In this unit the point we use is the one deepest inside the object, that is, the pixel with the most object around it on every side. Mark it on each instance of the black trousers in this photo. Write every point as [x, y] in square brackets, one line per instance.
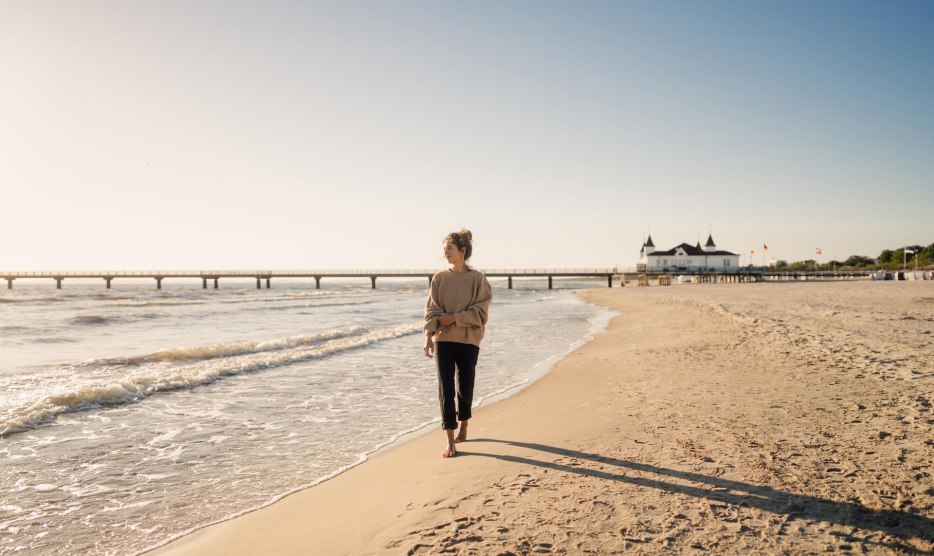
[457, 365]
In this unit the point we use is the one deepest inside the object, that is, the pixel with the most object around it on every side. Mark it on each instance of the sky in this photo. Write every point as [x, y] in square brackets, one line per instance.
[169, 134]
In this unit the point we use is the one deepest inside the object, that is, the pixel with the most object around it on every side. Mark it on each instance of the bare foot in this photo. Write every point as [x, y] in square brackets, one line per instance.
[462, 433]
[451, 451]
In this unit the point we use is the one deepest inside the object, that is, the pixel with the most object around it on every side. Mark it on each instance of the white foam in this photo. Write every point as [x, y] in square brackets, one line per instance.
[155, 303]
[308, 305]
[153, 379]
[199, 353]
[599, 321]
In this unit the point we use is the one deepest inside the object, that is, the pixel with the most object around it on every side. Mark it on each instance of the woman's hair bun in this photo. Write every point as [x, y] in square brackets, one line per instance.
[463, 239]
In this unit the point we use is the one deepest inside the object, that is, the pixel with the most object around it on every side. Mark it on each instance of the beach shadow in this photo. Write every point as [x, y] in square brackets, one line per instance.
[894, 523]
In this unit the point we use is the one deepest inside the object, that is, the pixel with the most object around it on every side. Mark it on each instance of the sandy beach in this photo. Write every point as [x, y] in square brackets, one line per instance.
[790, 418]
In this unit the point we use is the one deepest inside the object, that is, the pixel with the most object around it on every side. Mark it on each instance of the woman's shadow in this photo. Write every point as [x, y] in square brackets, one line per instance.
[894, 523]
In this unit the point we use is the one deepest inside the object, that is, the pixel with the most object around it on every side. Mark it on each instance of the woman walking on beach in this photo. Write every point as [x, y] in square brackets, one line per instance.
[455, 317]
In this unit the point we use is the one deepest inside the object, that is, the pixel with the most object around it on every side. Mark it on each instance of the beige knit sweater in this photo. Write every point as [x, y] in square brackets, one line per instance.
[467, 296]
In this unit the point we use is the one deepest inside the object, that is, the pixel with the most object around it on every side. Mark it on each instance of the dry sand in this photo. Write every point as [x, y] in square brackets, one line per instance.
[790, 418]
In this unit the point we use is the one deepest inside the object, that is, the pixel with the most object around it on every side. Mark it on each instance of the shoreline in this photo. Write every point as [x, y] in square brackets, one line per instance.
[599, 321]
[599, 324]
[692, 440]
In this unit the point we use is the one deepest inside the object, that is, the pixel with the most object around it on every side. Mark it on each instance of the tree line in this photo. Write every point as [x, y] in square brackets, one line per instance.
[911, 255]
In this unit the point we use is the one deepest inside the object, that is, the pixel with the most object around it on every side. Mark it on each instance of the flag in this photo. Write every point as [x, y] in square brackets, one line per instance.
[765, 247]
[818, 250]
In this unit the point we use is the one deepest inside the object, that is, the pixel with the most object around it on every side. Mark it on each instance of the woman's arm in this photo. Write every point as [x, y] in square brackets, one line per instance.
[429, 348]
[432, 312]
[477, 313]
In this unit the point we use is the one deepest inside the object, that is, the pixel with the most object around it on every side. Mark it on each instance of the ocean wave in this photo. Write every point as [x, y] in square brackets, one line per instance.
[137, 387]
[109, 297]
[93, 320]
[230, 349]
[284, 297]
[156, 302]
[298, 296]
[52, 340]
[309, 305]
[31, 300]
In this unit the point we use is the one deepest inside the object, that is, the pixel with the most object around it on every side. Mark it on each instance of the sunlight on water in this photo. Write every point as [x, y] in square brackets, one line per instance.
[129, 416]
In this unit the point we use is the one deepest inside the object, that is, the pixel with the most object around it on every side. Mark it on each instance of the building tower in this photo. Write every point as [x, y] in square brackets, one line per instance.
[648, 247]
[710, 246]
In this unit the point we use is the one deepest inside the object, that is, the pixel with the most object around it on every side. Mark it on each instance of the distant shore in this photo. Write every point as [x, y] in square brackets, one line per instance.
[728, 418]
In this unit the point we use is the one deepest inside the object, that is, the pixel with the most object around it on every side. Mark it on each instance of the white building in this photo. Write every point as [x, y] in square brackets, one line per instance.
[687, 258]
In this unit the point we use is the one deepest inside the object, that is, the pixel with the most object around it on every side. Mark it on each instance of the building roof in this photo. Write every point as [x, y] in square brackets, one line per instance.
[648, 242]
[689, 250]
[710, 242]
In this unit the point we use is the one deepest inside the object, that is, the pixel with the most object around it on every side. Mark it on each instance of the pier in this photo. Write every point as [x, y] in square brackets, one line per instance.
[266, 276]
[742, 276]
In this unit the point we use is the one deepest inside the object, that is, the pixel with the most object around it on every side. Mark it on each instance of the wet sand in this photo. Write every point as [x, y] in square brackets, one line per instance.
[766, 418]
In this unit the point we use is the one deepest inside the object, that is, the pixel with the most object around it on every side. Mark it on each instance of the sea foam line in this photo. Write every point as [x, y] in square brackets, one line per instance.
[151, 380]
[599, 322]
[229, 349]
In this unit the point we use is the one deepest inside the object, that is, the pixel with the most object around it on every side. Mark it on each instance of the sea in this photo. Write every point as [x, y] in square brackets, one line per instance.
[131, 416]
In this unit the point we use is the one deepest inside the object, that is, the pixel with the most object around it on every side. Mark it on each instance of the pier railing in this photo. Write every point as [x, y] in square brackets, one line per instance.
[260, 275]
[267, 274]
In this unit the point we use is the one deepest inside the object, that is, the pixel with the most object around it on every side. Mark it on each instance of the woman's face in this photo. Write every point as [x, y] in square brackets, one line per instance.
[452, 253]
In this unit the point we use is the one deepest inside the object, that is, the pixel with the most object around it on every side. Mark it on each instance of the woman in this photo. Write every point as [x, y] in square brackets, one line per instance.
[455, 317]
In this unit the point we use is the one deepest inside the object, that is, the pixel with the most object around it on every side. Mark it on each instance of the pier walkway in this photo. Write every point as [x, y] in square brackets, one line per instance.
[621, 276]
[745, 275]
[267, 275]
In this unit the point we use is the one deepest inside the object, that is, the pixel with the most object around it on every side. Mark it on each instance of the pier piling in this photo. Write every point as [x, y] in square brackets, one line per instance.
[260, 274]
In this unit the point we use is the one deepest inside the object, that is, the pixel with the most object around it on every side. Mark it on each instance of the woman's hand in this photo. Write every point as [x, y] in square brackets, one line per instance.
[429, 347]
[446, 319]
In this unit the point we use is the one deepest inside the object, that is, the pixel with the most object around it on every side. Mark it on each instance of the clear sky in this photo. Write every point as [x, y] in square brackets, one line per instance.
[191, 135]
